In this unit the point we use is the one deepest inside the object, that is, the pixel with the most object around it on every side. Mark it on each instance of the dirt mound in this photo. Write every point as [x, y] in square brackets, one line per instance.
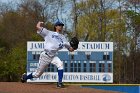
[17, 87]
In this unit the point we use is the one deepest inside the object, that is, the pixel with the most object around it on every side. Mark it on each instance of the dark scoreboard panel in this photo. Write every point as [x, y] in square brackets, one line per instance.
[76, 62]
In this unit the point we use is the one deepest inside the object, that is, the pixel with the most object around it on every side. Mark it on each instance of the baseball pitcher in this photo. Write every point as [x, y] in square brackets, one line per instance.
[53, 41]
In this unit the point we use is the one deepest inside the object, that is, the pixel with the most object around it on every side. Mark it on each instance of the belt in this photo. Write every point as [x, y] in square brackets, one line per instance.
[49, 55]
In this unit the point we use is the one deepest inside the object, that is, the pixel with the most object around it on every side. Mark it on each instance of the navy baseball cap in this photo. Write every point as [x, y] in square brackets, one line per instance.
[58, 23]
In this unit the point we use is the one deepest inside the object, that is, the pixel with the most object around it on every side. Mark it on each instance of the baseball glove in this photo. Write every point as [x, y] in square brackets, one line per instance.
[74, 43]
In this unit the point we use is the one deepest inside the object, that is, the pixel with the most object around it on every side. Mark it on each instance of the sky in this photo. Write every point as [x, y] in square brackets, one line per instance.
[7, 0]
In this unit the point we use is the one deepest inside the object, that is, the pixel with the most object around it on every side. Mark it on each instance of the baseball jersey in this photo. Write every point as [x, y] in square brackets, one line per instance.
[54, 41]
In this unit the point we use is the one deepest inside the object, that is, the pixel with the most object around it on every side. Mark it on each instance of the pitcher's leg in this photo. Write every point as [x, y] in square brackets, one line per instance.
[41, 68]
[44, 60]
[59, 64]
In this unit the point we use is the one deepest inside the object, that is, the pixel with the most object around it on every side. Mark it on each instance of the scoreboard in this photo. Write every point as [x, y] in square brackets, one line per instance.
[91, 62]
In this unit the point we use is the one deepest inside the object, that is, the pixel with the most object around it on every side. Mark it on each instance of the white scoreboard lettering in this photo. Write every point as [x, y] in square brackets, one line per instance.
[91, 62]
[75, 77]
[83, 46]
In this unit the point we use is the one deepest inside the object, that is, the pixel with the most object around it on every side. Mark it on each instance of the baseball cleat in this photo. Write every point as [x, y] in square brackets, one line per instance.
[60, 85]
[23, 78]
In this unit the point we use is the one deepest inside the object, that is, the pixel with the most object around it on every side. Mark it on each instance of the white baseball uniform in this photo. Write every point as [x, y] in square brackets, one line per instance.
[54, 41]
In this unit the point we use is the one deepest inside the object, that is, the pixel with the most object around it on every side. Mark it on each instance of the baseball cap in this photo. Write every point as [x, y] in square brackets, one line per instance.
[58, 23]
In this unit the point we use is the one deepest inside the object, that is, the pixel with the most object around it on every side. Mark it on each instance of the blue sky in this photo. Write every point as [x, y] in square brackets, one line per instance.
[5, 0]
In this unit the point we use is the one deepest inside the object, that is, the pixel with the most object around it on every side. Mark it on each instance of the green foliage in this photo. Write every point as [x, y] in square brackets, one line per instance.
[17, 26]
[13, 64]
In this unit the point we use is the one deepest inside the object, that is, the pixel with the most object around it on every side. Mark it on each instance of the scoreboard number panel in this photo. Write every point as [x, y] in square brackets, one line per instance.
[91, 62]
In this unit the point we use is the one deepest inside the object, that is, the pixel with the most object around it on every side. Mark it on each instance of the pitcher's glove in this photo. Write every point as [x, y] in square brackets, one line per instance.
[74, 43]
